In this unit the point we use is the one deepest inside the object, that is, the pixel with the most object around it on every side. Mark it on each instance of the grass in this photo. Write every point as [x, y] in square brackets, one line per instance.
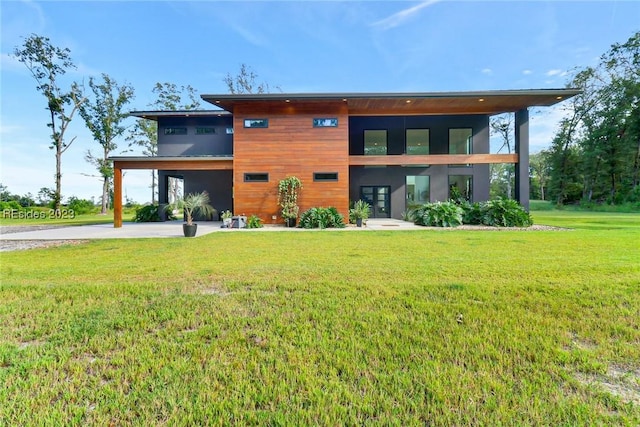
[48, 217]
[327, 328]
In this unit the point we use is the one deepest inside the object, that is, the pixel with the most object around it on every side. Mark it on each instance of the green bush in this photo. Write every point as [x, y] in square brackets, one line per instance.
[472, 213]
[505, 213]
[438, 214]
[81, 206]
[321, 218]
[11, 204]
[254, 221]
[149, 213]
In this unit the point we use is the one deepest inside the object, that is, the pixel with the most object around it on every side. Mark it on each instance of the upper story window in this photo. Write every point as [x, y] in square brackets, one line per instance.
[417, 141]
[256, 123]
[175, 131]
[460, 142]
[205, 131]
[375, 142]
[323, 123]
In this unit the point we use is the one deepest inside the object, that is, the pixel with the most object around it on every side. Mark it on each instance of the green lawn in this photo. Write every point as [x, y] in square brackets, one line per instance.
[328, 328]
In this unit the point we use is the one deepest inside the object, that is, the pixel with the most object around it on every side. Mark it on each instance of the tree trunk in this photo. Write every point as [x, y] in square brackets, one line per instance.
[57, 197]
[105, 195]
[153, 187]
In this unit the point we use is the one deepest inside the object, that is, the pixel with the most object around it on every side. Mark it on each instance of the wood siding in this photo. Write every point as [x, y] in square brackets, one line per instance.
[290, 146]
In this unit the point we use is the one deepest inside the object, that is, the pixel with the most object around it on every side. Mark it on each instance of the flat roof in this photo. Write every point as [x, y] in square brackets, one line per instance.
[405, 103]
[154, 114]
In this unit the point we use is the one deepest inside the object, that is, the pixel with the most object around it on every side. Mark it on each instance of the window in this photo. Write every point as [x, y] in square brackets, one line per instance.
[175, 131]
[417, 141]
[460, 142]
[256, 177]
[325, 176]
[256, 123]
[461, 187]
[417, 190]
[205, 131]
[320, 123]
[375, 142]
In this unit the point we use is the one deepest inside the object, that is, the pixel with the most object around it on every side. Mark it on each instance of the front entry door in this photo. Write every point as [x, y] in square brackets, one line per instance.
[379, 197]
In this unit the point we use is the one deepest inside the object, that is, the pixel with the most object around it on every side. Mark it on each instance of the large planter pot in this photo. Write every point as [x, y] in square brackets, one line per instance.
[290, 222]
[189, 230]
[358, 222]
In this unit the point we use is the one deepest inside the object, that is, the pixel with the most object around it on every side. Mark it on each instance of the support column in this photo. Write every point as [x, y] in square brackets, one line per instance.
[522, 149]
[117, 196]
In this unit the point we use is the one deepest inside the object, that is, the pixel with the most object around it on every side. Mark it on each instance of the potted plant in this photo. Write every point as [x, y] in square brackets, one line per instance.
[359, 212]
[288, 190]
[194, 203]
[226, 218]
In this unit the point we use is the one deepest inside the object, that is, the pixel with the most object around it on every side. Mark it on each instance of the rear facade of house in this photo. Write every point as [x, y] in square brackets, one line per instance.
[393, 150]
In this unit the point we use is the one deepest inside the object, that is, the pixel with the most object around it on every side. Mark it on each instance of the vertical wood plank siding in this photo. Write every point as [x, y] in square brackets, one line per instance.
[290, 146]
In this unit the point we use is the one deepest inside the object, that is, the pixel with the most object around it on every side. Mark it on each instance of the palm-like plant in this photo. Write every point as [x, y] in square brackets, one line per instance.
[194, 203]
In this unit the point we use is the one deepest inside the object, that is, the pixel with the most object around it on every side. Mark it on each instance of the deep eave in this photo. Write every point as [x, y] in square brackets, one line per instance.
[155, 114]
[428, 103]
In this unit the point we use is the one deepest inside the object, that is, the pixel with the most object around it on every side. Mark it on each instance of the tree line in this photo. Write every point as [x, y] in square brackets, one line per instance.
[595, 154]
[102, 106]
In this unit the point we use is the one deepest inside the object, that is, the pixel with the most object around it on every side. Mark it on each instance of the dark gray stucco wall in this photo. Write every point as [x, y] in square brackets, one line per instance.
[522, 148]
[395, 176]
[191, 144]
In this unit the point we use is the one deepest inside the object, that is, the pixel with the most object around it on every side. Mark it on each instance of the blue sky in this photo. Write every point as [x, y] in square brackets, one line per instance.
[299, 46]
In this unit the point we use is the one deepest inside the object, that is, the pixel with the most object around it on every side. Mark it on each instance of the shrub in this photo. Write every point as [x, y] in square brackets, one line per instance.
[505, 213]
[81, 206]
[438, 214]
[254, 221]
[321, 218]
[150, 213]
[11, 204]
[472, 213]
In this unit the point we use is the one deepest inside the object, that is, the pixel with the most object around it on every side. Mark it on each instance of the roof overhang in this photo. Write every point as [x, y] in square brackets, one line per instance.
[410, 103]
[173, 162]
[155, 114]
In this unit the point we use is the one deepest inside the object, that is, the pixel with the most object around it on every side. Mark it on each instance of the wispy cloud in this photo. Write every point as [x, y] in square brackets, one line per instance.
[555, 72]
[399, 17]
[527, 72]
[487, 71]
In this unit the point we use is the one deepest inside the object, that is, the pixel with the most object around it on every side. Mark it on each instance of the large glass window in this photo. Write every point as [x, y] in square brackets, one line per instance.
[417, 190]
[461, 187]
[417, 141]
[460, 142]
[375, 142]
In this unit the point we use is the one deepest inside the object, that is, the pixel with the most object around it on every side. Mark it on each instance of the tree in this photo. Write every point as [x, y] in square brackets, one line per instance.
[47, 63]
[539, 168]
[502, 126]
[597, 148]
[170, 97]
[245, 82]
[103, 116]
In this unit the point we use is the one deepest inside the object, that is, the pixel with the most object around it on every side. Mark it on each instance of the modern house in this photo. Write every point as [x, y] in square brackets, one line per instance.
[391, 149]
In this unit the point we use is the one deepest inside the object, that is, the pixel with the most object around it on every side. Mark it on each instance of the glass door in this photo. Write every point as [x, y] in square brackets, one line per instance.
[379, 197]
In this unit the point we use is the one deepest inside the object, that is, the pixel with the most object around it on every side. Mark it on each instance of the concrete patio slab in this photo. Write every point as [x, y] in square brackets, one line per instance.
[132, 230]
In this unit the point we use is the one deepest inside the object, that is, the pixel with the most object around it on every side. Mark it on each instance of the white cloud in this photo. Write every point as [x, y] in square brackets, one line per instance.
[554, 72]
[399, 17]
[527, 72]
[487, 71]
